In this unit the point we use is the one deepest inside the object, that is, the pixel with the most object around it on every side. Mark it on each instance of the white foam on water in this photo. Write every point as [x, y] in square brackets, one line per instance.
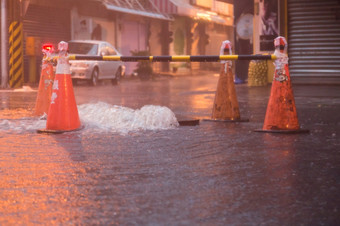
[104, 117]
[120, 119]
[22, 125]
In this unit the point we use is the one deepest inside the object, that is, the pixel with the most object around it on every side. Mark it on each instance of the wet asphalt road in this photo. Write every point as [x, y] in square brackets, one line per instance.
[211, 174]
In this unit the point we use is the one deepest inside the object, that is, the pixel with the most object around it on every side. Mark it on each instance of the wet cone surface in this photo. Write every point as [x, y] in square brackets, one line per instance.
[63, 112]
[281, 115]
[226, 104]
[45, 89]
[281, 111]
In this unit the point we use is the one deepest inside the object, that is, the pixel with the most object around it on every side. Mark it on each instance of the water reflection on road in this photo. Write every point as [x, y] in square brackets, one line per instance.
[37, 179]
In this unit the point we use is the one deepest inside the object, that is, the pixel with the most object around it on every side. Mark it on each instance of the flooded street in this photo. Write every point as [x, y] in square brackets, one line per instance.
[129, 166]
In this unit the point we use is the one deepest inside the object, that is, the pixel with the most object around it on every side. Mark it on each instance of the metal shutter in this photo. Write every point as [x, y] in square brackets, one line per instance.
[314, 40]
[50, 24]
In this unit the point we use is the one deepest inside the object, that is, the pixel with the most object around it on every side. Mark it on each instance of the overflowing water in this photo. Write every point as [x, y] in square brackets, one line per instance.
[120, 119]
[102, 117]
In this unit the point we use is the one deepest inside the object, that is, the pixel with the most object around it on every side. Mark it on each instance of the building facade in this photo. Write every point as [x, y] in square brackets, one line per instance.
[312, 29]
[157, 27]
[198, 28]
[182, 27]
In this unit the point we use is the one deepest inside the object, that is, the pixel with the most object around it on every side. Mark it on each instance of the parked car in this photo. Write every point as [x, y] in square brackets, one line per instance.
[93, 70]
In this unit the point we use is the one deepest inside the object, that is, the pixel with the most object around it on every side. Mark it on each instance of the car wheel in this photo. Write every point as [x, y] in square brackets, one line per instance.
[94, 77]
[117, 77]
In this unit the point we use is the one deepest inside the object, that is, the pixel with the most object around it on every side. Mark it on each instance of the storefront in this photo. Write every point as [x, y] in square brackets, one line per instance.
[162, 27]
[125, 26]
[45, 24]
[199, 27]
[133, 27]
[314, 40]
[133, 39]
[312, 29]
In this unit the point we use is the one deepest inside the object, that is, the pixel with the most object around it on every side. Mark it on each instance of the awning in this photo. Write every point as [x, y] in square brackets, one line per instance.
[176, 7]
[136, 8]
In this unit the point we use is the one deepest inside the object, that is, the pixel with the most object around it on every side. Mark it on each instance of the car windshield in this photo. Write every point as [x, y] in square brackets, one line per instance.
[83, 48]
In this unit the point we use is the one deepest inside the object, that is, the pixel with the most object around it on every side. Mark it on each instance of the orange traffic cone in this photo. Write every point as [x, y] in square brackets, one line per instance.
[281, 115]
[225, 106]
[42, 103]
[63, 113]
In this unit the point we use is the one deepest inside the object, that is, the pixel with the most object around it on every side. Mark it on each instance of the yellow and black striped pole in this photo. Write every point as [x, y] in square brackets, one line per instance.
[184, 58]
[16, 57]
